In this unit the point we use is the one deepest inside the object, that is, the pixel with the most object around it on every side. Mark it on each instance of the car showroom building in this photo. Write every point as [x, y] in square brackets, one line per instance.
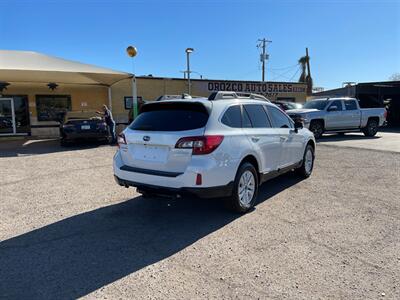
[36, 89]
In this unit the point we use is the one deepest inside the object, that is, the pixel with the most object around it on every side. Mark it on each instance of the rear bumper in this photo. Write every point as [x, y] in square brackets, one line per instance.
[206, 192]
[85, 135]
[215, 172]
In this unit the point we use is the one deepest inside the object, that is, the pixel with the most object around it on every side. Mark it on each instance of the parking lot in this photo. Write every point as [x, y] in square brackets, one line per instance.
[67, 230]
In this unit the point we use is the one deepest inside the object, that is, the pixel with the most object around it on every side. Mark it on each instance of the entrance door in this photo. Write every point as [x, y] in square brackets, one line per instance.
[7, 116]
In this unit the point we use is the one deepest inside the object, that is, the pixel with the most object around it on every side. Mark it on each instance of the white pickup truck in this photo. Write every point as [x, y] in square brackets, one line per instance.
[339, 115]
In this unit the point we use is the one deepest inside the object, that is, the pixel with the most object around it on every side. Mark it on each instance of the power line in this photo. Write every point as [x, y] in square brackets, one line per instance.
[284, 68]
[291, 78]
[283, 74]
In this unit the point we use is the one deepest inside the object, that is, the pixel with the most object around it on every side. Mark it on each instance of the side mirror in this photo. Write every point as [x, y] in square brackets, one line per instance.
[333, 108]
[298, 125]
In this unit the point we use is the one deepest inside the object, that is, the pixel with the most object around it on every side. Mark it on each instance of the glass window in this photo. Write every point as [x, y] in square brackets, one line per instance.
[170, 116]
[52, 107]
[128, 102]
[316, 104]
[21, 113]
[350, 104]
[279, 119]
[232, 117]
[246, 123]
[338, 104]
[258, 116]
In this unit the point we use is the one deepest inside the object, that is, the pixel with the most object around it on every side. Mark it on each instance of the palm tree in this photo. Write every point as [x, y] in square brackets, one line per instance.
[305, 76]
[303, 64]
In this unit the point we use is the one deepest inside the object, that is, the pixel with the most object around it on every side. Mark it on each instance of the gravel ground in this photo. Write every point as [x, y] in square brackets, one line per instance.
[67, 231]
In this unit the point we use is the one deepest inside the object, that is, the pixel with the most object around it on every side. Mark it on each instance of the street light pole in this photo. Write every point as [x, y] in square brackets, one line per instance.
[132, 52]
[188, 51]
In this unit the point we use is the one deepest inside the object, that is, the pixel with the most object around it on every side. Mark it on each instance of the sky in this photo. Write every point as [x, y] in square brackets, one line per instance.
[353, 40]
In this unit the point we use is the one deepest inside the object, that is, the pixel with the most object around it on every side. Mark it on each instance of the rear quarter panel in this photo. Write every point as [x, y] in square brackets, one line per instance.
[367, 113]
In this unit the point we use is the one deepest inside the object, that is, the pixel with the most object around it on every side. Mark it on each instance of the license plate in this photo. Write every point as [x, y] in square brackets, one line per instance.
[150, 153]
[85, 127]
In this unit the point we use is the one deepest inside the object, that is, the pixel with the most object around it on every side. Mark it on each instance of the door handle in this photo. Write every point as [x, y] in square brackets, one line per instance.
[255, 139]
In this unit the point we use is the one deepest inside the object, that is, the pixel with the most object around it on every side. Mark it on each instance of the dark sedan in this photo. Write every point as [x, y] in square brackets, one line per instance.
[83, 126]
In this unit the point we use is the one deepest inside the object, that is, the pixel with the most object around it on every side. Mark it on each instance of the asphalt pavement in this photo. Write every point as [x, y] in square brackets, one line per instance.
[68, 231]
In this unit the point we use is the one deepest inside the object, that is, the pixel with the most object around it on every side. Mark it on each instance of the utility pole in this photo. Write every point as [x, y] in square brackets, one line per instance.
[308, 79]
[263, 56]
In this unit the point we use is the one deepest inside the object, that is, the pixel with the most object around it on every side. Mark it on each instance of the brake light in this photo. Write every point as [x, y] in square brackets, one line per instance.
[121, 139]
[200, 144]
[385, 114]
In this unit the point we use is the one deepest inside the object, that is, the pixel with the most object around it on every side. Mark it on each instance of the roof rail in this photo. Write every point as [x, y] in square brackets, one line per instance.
[221, 95]
[253, 96]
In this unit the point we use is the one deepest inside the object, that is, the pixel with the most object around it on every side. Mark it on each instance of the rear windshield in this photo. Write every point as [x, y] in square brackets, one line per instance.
[170, 116]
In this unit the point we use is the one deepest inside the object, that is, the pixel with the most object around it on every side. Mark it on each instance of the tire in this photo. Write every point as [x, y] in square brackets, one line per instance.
[307, 166]
[246, 180]
[317, 128]
[371, 129]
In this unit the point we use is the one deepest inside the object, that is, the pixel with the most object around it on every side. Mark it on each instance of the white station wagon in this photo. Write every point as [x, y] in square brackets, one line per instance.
[223, 146]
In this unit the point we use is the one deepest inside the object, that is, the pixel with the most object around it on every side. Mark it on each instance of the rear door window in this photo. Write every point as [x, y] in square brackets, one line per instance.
[232, 117]
[258, 116]
[350, 105]
[279, 119]
[246, 123]
[171, 116]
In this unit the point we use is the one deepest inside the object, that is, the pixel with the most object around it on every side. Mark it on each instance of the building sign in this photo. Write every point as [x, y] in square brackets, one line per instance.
[268, 89]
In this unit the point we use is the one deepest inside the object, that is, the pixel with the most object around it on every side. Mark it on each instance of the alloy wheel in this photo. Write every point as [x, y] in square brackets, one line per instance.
[246, 188]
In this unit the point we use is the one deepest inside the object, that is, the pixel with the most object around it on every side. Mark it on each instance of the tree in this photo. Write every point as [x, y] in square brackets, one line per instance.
[305, 76]
[303, 64]
[395, 77]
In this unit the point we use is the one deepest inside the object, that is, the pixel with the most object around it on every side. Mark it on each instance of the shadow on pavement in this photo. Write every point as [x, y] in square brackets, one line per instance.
[13, 148]
[346, 137]
[78, 255]
[392, 129]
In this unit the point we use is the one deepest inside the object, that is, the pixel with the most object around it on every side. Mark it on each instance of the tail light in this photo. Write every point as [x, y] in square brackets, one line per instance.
[385, 114]
[200, 144]
[121, 139]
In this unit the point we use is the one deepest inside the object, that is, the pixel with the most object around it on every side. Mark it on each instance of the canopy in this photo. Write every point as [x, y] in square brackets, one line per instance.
[28, 66]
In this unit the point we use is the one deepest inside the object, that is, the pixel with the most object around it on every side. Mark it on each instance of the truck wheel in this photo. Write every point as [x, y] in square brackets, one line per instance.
[245, 188]
[307, 166]
[317, 128]
[371, 129]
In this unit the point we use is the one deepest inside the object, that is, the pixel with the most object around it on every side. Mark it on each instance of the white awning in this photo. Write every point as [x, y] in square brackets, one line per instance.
[28, 66]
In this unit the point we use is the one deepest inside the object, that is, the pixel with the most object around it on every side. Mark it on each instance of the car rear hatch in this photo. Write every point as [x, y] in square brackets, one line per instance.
[151, 138]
